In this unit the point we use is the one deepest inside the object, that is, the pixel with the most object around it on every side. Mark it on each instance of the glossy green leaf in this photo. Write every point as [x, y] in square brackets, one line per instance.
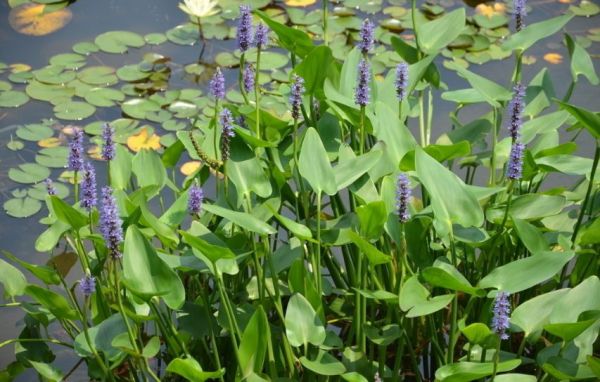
[246, 172]
[444, 275]
[255, 340]
[67, 214]
[302, 325]
[532, 33]
[294, 40]
[581, 62]
[241, 219]
[54, 302]
[531, 237]
[324, 364]
[590, 120]
[312, 69]
[314, 164]
[375, 256]
[191, 370]
[470, 371]
[435, 35]
[12, 279]
[415, 299]
[149, 169]
[119, 41]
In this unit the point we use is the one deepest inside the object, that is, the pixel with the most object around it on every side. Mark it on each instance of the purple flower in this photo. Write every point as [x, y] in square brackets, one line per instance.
[401, 80]
[366, 37]
[76, 150]
[361, 95]
[196, 196]
[500, 321]
[108, 143]
[296, 94]
[515, 108]
[261, 36]
[514, 168]
[50, 187]
[248, 77]
[88, 187]
[226, 120]
[244, 31]
[403, 194]
[110, 223]
[87, 285]
[520, 11]
[217, 85]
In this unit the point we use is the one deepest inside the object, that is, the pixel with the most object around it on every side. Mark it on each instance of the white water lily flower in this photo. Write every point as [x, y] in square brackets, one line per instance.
[199, 8]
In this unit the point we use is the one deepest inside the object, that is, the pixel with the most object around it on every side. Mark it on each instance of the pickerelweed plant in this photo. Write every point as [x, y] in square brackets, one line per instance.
[329, 243]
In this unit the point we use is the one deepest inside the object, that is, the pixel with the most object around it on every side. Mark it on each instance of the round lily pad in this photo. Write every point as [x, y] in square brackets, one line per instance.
[20, 78]
[39, 191]
[226, 59]
[98, 75]
[104, 97]
[12, 98]
[173, 125]
[22, 207]
[186, 34]
[50, 93]
[28, 173]
[54, 157]
[132, 73]
[197, 69]
[73, 110]
[183, 109]
[68, 60]
[269, 60]
[54, 74]
[155, 38]
[15, 145]
[85, 48]
[118, 41]
[4, 85]
[139, 107]
[34, 132]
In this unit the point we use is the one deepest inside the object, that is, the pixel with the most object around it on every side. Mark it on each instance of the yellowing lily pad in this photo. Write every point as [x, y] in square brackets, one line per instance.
[143, 140]
[49, 142]
[31, 19]
[299, 3]
[188, 168]
[553, 58]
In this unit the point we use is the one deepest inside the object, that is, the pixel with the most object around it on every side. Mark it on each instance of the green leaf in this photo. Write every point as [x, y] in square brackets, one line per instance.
[67, 214]
[533, 33]
[313, 69]
[54, 302]
[350, 169]
[12, 279]
[530, 236]
[444, 275]
[120, 168]
[292, 39]
[44, 273]
[533, 314]
[324, 364]
[452, 202]
[149, 169]
[212, 252]
[581, 62]
[477, 333]
[146, 275]
[22, 207]
[517, 276]
[101, 337]
[314, 164]
[589, 120]
[241, 219]
[191, 370]
[571, 330]
[246, 172]
[372, 217]
[73, 111]
[302, 325]
[435, 35]
[118, 41]
[489, 90]
[254, 343]
[28, 173]
[470, 371]
[49, 372]
[375, 256]
[300, 230]
[13, 98]
[415, 299]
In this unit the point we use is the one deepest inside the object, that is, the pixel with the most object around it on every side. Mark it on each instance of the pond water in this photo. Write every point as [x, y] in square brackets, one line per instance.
[91, 18]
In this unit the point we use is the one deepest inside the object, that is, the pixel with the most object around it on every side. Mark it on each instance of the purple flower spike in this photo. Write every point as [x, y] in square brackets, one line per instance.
[500, 321]
[217, 85]
[514, 168]
[226, 120]
[296, 94]
[401, 80]
[110, 223]
[244, 32]
[87, 285]
[196, 196]
[108, 142]
[261, 36]
[403, 194]
[366, 37]
[88, 187]
[520, 11]
[248, 77]
[76, 150]
[50, 187]
[516, 106]
[361, 95]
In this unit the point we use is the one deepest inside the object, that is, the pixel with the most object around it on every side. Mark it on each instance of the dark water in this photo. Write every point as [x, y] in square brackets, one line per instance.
[92, 17]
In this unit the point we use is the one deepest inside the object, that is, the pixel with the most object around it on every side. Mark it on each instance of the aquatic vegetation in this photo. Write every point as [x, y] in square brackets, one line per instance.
[294, 220]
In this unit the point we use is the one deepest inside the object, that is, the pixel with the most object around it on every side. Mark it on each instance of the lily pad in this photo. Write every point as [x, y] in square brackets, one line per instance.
[85, 48]
[155, 38]
[69, 60]
[139, 107]
[54, 74]
[22, 207]
[28, 173]
[132, 73]
[50, 93]
[39, 191]
[15, 145]
[34, 132]
[13, 98]
[73, 111]
[98, 75]
[104, 97]
[55, 157]
[35, 20]
[119, 41]
[186, 34]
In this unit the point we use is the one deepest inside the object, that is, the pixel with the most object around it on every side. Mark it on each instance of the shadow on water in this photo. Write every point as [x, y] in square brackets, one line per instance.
[91, 18]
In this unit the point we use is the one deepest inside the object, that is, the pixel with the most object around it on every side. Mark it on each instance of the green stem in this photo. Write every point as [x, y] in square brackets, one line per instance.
[492, 179]
[257, 93]
[325, 16]
[414, 22]
[587, 194]
[241, 77]
[317, 269]
[362, 130]
[496, 360]
[452, 334]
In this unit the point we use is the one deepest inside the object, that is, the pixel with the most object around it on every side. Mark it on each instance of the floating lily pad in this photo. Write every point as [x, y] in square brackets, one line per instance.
[15, 145]
[104, 97]
[173, 125]
[186, 34]
[39, 191]
[28, 173]
[586, 8]
[119, 41]
[197, 69]
[5, 85]
[227, 60]
[50, 93]
[139, 108]
[155, 38]
[73, 110]
[183, 109]
[34, 132]
[69, 60]
[54, 157]
[54, 74]
[20, 78]
[34, 19]
[98, 75]
[269, 60]
[132, 73]
[12, 98]
[22, 207]
[85, 48]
